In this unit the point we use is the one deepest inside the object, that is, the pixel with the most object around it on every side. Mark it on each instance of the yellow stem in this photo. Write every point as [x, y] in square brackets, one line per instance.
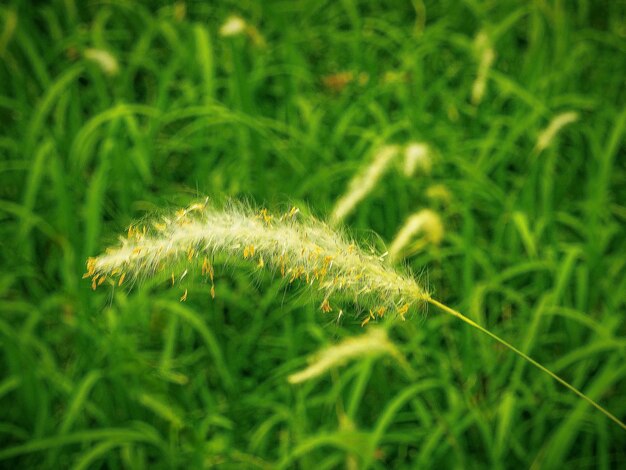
[567, 385]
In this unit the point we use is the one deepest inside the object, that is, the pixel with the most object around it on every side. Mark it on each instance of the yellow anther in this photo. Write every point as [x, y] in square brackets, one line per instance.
[403, 310]
[296, 273]
[207, 268]
[248, 251]
[265, 216]
[91, 268]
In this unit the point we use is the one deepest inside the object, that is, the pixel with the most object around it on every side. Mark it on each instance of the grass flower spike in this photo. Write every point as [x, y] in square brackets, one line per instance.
[486, 56]
[104, 59]
[300, 250]
[364, 183]
[549, 133]
[425, 222]
[417, 156]
[374, 342]
[233, 26]
[439, 193]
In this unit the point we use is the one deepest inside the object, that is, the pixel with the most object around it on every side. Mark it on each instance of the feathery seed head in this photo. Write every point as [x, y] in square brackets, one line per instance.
[426, 222]
[549, 133]
[439, 193]
[363, 183]
[486, 55]
[303, 250]
[373, 343]
[104, 59]
[233, 26]
[237, 26]
[417, 156]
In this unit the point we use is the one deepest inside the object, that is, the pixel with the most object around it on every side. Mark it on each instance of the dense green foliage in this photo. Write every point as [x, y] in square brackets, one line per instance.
[535, 243]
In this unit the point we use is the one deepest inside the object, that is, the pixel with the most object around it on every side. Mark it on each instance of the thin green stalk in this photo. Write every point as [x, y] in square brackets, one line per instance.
[526, 357]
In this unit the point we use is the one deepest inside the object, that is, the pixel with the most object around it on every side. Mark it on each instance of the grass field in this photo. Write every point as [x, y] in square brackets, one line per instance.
[112, 111]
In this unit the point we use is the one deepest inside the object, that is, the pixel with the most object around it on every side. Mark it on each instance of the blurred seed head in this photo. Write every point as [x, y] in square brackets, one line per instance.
[371, 344]
[439, 193]
[426, 223]
[364, 182]
[104, 59]
[417, 156]
[549, 133]
[237, 26]
[233, 26]
[486, 56]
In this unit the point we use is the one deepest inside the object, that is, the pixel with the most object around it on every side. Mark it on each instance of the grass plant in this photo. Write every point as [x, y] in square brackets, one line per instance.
[306, 251]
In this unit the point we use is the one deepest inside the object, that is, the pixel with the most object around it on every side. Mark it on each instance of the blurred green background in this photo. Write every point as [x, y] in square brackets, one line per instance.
[111, 110]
